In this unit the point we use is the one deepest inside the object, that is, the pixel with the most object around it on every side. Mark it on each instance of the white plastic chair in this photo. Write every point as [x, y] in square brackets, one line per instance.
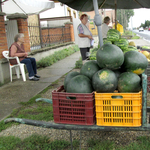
[17, 66]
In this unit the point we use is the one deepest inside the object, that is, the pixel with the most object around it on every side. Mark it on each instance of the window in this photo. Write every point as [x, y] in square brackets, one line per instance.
[69, 11]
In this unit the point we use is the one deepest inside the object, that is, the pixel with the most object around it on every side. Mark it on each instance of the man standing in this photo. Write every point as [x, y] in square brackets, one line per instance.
[105, 27]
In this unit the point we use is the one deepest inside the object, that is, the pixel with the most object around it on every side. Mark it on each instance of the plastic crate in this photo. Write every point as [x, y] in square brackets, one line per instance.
[147, 72]
[118, 109]
[73, 108]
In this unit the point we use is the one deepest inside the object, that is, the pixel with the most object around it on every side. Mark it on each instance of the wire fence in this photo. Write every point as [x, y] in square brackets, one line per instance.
[41, 36]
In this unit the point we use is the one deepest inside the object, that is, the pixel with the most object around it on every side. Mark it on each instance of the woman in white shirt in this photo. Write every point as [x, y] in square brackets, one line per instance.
[105, 27]
[84, 37]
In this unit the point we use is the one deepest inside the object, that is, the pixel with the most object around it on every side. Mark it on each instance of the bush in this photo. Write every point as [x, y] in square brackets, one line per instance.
[59, 55]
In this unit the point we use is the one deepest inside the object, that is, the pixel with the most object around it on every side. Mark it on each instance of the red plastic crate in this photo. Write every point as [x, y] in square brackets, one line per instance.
[148, 83]
[73, 108]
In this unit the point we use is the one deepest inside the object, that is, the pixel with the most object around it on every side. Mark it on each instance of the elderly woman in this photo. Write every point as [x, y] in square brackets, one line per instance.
[17, 49]
[84, 37]
[105, 27]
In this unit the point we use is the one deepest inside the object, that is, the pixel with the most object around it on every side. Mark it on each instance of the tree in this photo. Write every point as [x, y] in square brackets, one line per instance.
[146, 24]
[123, 16]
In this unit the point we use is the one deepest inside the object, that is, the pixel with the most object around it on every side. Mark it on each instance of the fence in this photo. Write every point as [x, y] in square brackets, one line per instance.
[41, 37]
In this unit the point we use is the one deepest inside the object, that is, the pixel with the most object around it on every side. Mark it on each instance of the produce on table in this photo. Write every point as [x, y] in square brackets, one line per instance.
[110, 56]
[79, 84]
[104, 80]
[145, 47]
[68, 77]
[89, 68]
[122, 43]
[132, 44]
[146, 53]
[106, 41]
[93, 54]
[134, 62]
[130, 48]
[129, 82]
[113, 35]
[117, 72]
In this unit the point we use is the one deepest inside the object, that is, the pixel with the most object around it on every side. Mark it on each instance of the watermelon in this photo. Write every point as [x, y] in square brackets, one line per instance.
[107, 42]
[113, 35]
[130, 48]
[93, 54]
[134, 62]
[129, 82]
[110, 56]
[89, 68]
[69, 76]
[122, 43]
[117, 72]
[114, 30]
[79, 84]
[104, 80]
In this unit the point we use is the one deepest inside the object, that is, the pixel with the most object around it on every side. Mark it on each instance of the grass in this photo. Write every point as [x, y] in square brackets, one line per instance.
[135, 37]
[130, 33]
[59, 55]
[34, 142]
[142, 142]
[38, 142]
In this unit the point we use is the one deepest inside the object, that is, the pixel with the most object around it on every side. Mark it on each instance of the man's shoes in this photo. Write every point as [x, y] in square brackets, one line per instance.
[36, 76]
[34, 79]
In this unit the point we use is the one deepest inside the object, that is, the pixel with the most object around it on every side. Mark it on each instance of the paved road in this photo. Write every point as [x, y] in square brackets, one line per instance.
[145, 34]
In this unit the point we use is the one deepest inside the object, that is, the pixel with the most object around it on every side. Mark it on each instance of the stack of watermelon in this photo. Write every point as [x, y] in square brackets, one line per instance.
[114, 37]
[120, 42]
[112, 70]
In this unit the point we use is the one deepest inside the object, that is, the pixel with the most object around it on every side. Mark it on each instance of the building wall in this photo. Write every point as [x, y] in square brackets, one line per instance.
[58, 34]
[58, 11]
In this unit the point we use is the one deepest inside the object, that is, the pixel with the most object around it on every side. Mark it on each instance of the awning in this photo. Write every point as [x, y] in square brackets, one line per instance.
[87, 5]
[27, 7]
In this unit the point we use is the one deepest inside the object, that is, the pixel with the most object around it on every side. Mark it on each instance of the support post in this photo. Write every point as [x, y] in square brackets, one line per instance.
[144, 100]
[98, 22]
[80, 140]
[115, 14]
[71, 140]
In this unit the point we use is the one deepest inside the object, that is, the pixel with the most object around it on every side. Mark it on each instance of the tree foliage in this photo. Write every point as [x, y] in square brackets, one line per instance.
[146, 24]
[123, 16]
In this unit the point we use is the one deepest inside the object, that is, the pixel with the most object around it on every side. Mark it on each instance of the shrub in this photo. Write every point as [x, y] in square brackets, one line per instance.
[49, 60]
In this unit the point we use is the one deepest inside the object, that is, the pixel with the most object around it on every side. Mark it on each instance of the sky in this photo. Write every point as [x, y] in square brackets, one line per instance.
[140, 15]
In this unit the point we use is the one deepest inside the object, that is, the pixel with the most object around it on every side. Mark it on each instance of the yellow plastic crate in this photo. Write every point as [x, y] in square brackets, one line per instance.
[118, 109]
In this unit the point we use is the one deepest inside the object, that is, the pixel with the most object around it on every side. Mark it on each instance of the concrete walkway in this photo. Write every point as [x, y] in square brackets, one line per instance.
[18, 91]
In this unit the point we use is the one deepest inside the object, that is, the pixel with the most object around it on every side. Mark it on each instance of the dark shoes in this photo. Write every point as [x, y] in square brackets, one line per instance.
[34, 79]
[36, 76]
